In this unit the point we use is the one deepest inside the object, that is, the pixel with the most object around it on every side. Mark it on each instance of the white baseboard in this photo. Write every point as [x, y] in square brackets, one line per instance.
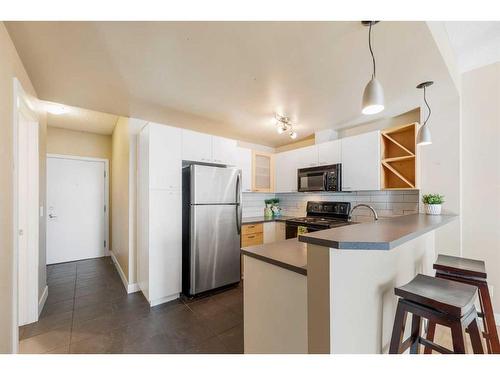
[159, 301]
[43, 299]
[130, 288]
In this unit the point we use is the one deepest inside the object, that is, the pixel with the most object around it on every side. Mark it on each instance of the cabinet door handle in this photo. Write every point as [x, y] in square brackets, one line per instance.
[251, 236]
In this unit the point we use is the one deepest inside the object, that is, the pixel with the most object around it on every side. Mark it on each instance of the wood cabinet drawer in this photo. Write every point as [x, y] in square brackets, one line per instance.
[252, 239]
[252, 228]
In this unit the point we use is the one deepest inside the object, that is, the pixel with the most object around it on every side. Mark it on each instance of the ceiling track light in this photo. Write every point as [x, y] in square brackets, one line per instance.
[373, 96]
[424, 134]
[284, 125]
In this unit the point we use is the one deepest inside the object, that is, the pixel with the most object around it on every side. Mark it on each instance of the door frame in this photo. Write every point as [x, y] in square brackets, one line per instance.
[106, 189]
[23, 103]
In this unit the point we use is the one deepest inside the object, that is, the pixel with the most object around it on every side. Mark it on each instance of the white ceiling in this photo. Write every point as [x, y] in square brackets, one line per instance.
[83, 120]
[229, 78]
[475, 43]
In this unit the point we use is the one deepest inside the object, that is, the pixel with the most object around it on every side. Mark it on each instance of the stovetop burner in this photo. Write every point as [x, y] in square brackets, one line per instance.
[325, 214]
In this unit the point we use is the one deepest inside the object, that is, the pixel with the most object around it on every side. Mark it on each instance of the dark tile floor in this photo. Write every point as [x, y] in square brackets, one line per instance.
[88, 311]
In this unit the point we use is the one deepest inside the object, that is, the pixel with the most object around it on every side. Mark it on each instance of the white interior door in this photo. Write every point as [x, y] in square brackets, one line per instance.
[76, 218]
[27, 217]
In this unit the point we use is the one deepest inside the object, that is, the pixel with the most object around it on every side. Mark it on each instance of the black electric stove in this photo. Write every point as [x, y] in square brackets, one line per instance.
[320, 215]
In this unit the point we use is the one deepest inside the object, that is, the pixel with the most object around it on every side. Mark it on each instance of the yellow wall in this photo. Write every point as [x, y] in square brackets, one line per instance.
[309, 141]
[120, 194]
[10, 67]
[78, 143]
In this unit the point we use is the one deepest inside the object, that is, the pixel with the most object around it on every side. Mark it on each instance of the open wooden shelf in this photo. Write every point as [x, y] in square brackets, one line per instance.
[398, 160]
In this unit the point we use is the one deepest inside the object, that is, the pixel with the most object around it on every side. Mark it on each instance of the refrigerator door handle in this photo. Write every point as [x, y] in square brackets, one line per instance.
[238, 203]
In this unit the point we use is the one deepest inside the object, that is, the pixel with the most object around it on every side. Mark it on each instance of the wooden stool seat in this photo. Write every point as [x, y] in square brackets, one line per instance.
[441, 301]
[449, 297]
[460, 266]
[471, 272]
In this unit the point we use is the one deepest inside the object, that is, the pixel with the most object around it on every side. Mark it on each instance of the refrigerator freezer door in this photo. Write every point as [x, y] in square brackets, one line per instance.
[215, 247]
[213, 185]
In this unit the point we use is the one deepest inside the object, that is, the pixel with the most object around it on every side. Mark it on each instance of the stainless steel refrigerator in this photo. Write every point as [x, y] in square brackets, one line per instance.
[211, 227]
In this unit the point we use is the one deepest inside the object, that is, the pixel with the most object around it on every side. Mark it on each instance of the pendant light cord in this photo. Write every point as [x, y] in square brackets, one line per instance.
[371, 50]
[428, 107]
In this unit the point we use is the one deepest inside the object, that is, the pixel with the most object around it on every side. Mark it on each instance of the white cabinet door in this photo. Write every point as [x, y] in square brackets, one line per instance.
[329, 152]
[307, 156]
[165, 157]
[269, 232]
[361, 162]
[224, 150]
[196, 146]
[245, 164]
[165, 245]
[286, 171]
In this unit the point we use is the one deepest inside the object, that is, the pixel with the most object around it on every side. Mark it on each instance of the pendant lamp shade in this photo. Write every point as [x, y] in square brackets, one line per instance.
[373, 98]
[424, 136]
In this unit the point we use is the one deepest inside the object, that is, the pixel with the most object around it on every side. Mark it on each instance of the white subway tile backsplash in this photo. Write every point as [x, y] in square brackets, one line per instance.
[387, 203]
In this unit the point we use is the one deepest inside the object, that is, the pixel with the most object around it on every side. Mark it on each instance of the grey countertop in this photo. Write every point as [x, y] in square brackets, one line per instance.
[262, 219]
[383, 234]
[290, 254]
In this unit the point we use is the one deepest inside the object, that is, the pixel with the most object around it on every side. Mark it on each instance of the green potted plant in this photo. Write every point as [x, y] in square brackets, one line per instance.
[268, 211]
[276, 207]
[432, 203]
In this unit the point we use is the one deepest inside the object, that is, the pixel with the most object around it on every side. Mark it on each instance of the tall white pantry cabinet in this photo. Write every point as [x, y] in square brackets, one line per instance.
[159, 257]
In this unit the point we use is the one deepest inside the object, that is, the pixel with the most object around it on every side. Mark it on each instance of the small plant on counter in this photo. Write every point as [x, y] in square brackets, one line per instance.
[432, 203]
[276, 207]
[272, 207]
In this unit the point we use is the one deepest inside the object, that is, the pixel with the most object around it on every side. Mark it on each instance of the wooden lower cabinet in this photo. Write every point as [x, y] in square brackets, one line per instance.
[253, 239]
[262, 233]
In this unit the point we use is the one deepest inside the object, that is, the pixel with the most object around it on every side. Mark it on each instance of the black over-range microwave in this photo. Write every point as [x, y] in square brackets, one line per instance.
[323, 178]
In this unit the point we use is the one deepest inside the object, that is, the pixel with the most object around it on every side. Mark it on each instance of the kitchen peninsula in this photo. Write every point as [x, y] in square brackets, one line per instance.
[334, 286]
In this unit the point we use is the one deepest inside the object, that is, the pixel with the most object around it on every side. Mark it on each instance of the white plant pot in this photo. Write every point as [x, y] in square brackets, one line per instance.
[432, 209]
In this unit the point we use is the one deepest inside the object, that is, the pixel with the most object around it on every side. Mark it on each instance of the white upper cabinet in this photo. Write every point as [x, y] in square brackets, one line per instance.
[224, 150]
[329, 152]
[361, 162]
[165, 157]
[207, 148]
[196, 146]
[244, 162]
[307, 156]
[286, 171]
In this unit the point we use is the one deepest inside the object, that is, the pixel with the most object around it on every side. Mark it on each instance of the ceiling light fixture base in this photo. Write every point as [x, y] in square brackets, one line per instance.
[425, 84]
[369, 23]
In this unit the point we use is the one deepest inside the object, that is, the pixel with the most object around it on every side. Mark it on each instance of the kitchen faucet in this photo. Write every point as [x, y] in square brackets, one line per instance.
[363, 205]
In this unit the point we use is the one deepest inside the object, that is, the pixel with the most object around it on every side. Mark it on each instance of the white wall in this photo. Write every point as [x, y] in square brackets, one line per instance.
[481, 171]
[440, 165]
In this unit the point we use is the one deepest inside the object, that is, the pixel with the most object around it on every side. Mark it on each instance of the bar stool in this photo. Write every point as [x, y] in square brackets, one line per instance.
[445, 302]
[472, 272]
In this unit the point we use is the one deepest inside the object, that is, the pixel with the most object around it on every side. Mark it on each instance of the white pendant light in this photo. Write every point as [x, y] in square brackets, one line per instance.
[373, 96]
[424, 134]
